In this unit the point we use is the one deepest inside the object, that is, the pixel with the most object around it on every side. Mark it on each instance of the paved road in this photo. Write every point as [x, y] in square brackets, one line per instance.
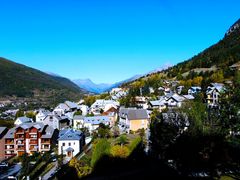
[66, 160]
[10, 171]
[47, 176]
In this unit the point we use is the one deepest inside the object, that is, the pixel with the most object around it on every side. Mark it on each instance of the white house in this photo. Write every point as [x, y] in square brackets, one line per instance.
[57, 122]
[21, 120]
[175, 101]
[61, 109]
[194, 90]
[114, 91]
[104, 105]
[42, 113]
[70, 142]
[92, 123]
[72, 105]
[141, 102]
[160, 104]
[78, 122]
[214, 92]
[84, 109]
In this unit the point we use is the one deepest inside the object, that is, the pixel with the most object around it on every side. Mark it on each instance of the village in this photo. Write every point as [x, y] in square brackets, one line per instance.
[68, 129]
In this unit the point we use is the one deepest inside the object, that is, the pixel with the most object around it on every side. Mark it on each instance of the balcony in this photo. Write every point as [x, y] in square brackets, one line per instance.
[33, 137]
[9, 147]
[34, 142]
[46, 148]
[20, 149]
[7, 142]
[20, 143]
[33, 148]
[19, 137]
[9, 153]
[45, 142]
[20, 132]
[33, 132]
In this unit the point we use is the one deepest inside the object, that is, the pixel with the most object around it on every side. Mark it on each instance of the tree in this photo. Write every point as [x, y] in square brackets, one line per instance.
[20, 113]
[78, 113]
[31, 115]
[122, 140]
[102, 148]
[103, 131]
[120, 151]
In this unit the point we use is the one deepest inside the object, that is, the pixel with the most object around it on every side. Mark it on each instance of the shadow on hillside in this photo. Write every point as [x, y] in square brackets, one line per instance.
[137, 166]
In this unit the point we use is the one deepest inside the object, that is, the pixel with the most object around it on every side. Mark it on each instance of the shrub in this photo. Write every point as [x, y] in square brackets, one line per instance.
[120, 151]
[134, 144]
[101, 148]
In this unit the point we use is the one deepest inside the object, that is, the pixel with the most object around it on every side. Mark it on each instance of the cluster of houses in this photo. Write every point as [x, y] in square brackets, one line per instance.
[62, 126]
[175, 98]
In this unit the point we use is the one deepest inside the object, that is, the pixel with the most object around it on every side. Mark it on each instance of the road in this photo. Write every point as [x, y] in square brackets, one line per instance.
[51, 171]
[48, 174]
[10, 171]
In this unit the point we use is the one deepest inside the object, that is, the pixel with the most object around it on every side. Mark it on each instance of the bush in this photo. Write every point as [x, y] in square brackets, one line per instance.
[101, 148]
[134, 144]
[120, 151]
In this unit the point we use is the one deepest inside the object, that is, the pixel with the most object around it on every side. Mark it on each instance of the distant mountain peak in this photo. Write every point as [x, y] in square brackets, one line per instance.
[233, 28]
[90, 86]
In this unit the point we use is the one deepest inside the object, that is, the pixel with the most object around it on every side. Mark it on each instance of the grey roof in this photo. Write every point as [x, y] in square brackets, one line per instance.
[215, 86]
[10, 133]
[48, 132]
[38, 125]
[137, 114]
[2, 129]
[77, 117]
[24, 119]
[178, 97]
[70, 134]
[44, 111]
[62, 106]
[157, 103]
[71, 105]
[190, 97]
[96, 119]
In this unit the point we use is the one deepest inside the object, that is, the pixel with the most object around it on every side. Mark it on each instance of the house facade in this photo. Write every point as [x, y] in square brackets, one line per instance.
[3, 131]
[214, 93]
[29, 138]
[70, 142]
[56, 121]
[42, 113]
[133, 119]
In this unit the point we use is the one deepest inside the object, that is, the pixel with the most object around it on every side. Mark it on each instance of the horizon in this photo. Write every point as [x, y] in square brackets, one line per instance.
[108, 42]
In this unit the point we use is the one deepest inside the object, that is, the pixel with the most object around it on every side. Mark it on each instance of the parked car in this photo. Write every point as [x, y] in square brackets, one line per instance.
[12, 177]
[4, 164]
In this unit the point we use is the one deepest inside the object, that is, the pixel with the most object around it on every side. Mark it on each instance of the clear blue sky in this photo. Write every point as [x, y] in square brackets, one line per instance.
[110, 40]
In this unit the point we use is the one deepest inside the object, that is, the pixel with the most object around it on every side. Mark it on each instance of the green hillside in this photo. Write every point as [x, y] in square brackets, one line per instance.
[211, 65]
[22, 81]
[222, 55]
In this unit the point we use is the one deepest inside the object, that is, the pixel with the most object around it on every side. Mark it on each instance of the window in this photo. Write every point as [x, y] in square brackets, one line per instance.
[63, 144]
[69, 144]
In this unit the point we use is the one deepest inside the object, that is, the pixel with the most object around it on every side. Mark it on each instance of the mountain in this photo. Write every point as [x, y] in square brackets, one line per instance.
[90, 86]
[211, 65]
[22, 81]
[219, 56]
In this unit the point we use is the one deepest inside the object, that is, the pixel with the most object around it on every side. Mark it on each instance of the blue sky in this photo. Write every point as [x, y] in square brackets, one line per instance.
[110, 40]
